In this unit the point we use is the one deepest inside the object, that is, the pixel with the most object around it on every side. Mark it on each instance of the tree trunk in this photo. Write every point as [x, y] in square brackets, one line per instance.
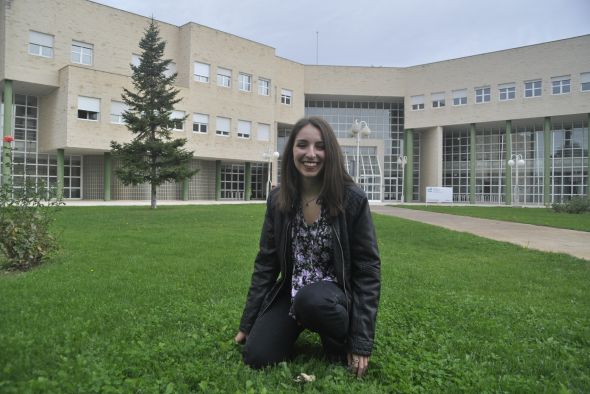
[153, 196]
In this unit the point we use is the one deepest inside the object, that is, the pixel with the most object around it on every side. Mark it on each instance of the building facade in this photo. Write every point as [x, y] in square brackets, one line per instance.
[456, 123]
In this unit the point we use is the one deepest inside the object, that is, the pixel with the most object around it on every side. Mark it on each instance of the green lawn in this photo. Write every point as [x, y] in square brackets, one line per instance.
[538, 216]
[149, 301]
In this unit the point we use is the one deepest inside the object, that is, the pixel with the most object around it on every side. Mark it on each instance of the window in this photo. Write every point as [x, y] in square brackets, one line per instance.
[245, 82]
[170, 70]
[201, 72]
[263, 132]
[177, 118]
[560, 85]
[135, 59]
[532, 88]
[200, 123]
[117, 109]
[223, 77]
[244, 128]
[82, 53]
[417, 102]
[286, 96]
[263, 87]
[585, 82]
[88, 108]
[438, 99]
[507, 91]
[40, 44]
[460, 97]
[483, 95]
[222, 126]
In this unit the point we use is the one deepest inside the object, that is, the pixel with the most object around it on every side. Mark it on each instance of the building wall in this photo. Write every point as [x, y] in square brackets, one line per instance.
[60, 82]
[543, 61]
[3, 7]
[355, 81]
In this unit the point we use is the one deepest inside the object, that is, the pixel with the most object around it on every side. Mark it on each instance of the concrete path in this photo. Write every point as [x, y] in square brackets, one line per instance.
[547, 239]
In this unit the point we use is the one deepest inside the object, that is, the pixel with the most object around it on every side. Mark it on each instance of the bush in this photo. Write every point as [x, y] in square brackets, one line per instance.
[25, 217]
[575, 205]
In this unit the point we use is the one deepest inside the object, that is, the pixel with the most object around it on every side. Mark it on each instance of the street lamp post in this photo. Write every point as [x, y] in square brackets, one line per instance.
[516, 159]
[403, 160]
[357, 129]
[269, 156]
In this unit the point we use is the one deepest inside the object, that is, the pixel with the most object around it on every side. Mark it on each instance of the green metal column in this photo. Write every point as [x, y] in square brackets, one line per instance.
[547, 161]
[248, 181]
[588, 159]
[217, 179]
[185, 184]
[60, 173]
[409, 170]
[7, 125]
[507, 169]
[472, 163]
[107, 168]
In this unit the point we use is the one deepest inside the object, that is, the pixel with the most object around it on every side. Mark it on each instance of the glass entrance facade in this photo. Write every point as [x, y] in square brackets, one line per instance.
[379, 174]
[569, 163]
[29, 167]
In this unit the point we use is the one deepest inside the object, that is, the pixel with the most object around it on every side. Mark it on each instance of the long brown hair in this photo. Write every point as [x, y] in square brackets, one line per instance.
[334, 175]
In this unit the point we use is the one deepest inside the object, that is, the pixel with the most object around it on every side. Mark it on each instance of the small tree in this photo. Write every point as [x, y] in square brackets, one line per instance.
[152, 156]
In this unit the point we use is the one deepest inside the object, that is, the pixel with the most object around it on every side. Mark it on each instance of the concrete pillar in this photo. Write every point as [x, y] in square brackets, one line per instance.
[547, 161]
[409, 170]
[507, 169]
[7, 131]
[107, 168]
[248, 181]
[217, 179]
[472, 163]
[431, 161]
[60, 173]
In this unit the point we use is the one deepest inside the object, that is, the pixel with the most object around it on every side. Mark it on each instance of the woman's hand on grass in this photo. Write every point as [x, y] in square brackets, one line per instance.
[358, 364]
[240, 337]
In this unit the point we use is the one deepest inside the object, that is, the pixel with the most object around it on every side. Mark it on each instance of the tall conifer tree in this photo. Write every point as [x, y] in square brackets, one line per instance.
[153, 156]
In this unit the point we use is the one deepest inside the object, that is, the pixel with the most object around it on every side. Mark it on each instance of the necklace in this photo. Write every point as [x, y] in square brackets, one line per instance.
[306, 203]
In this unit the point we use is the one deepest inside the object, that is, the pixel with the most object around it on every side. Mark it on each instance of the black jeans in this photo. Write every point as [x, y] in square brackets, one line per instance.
[319, 307]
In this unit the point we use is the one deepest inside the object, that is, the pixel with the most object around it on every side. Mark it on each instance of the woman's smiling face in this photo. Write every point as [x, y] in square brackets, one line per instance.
[308, 152]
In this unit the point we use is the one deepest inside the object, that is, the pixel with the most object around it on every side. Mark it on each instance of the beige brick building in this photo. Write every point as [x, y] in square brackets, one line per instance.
[455, 123]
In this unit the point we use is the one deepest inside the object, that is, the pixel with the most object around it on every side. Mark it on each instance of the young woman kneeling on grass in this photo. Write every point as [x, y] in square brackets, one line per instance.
[318, 266]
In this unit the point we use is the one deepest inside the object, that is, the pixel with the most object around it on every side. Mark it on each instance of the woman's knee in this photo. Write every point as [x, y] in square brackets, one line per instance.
[318, 302]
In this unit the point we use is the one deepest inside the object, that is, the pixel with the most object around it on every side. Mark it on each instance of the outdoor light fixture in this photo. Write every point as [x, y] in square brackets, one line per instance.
[516, 159]
[357, 129]
[402, 161]
[269, 156]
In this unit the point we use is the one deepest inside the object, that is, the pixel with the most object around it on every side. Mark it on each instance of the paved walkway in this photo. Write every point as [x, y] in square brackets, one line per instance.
[547, 239]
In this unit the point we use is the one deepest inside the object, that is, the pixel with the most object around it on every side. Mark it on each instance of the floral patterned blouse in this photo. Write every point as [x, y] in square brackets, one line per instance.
[312, 253]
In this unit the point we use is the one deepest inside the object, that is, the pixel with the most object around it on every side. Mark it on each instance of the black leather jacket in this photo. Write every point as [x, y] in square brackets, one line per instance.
[356, 262]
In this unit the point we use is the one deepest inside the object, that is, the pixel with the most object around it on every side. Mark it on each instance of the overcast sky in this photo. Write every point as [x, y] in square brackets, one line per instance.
[391, 33]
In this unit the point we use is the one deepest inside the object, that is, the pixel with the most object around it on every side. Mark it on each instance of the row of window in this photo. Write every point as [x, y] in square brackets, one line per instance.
[41, 44]
[89, 109]
[507, 91]
[202, 73]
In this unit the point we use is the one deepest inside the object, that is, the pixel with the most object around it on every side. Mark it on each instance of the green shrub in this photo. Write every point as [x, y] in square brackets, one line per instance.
[576, 205]
[25, 217]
